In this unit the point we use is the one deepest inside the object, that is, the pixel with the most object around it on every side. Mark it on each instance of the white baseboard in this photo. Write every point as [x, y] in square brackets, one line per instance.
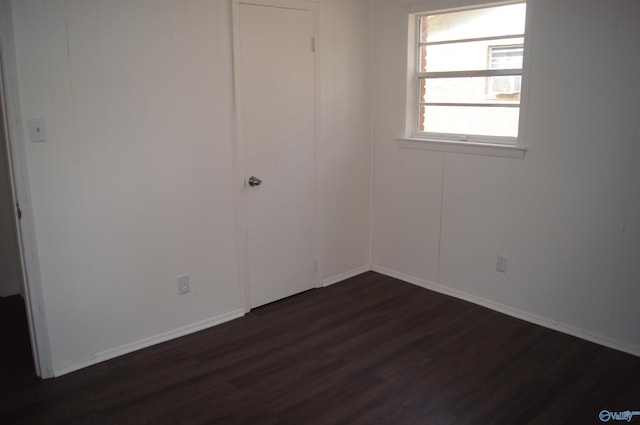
[514, 312]
[344, 276]
[153, 340]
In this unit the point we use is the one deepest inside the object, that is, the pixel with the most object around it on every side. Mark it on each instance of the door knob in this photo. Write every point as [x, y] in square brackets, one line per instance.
[254, 181]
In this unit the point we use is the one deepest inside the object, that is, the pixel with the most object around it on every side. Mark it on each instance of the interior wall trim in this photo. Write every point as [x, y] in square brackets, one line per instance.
[566, 328]
[346, 275]
[153, 340]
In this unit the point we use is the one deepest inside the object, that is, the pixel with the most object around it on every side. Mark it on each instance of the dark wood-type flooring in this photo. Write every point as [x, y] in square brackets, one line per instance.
[370, 350]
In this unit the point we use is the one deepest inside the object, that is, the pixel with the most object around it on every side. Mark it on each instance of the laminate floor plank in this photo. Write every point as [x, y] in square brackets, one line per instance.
[369, 350]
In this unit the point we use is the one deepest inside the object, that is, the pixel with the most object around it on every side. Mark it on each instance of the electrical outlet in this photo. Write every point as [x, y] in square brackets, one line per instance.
[501, 265]
[183, 284]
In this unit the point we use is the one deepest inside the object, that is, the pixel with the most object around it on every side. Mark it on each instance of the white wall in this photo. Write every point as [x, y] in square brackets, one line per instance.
[345, 28]
[567, 216]
[135, 184]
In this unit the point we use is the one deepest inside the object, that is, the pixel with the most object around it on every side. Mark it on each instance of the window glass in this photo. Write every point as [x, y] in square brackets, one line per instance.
[469, 73]
[496, 122]
[476, 23]
[470, 55]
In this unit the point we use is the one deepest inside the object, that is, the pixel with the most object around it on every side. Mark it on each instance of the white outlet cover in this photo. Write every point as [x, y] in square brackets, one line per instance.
[38, 130]
[183, 284]
[501, 264]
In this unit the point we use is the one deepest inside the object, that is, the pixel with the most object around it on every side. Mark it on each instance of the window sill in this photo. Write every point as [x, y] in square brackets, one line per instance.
[488, 149]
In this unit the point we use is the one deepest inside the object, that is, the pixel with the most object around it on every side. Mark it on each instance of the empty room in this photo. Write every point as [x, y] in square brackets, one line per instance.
[320, 211]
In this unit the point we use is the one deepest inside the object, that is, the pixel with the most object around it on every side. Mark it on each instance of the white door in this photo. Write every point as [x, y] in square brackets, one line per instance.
[276, 90]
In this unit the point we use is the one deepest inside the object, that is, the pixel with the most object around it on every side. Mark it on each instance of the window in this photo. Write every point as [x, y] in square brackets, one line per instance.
[467, 75]
[509, 57]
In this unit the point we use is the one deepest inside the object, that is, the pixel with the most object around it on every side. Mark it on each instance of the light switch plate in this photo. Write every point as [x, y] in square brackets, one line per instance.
[38, 133]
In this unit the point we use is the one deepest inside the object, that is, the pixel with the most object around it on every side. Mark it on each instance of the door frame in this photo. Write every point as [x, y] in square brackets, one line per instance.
[13, 128]
[239, 148]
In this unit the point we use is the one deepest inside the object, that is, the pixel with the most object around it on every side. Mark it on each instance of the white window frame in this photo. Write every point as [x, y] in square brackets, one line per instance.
[513, 147]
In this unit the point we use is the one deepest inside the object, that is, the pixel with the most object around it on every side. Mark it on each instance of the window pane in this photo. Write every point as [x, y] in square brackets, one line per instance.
[507, 57]
[504, 88]
[487, 121]
[477, 23]
[486, 54]
[470, 90]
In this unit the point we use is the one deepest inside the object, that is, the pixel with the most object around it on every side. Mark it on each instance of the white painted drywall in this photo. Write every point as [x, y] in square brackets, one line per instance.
[345, 29]
[567, 216]
[135, 185]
